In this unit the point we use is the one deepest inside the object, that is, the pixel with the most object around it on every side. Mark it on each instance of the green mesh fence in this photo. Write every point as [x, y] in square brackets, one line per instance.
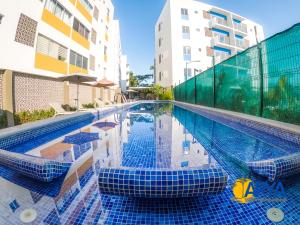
[190, 90]
[237, 83]
[205, 88]
[263, 80]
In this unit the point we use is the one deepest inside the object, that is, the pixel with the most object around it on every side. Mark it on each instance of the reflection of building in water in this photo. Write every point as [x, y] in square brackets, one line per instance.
[163, 133]
[176, 147]
[140, 150]
[78, 198]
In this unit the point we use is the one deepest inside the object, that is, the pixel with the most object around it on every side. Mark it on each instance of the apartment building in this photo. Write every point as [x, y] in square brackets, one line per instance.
[190, 36]
[59, 37]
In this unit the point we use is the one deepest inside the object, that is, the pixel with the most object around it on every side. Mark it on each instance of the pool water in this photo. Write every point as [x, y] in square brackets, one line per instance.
[149, 135]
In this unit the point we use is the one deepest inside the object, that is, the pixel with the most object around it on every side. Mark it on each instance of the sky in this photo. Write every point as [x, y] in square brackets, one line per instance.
[138, 18]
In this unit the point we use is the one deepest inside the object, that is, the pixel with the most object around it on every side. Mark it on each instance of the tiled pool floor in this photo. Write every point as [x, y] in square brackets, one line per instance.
[75, 199]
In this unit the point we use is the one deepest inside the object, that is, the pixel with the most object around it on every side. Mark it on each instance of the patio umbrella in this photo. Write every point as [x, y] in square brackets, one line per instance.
[78, 78]
[104, 83]
[105, 125]
[81, 138]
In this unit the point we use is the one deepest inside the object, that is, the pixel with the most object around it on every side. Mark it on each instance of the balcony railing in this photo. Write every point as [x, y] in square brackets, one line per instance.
[241, 27]
[241, 44]
[219, 57]
[221, 39]
[216, 20]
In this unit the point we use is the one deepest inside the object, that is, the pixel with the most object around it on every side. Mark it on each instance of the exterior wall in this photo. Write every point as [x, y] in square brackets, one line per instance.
[21, 51]
[201, 40]
[32, 93]
[166, 49]
[124, 73]
[85, 94]
[1, 91]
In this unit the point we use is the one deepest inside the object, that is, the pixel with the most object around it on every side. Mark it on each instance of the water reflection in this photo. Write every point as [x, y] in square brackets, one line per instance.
[147, 136]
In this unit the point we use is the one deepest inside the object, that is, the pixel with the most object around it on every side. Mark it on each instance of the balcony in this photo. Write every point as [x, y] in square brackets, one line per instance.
[220, 39]
[219, 21]
[240, 27]
[240, 43]
[220, 57]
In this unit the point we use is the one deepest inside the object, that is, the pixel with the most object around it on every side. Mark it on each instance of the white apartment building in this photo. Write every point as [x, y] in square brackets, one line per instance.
[190, 34]
[60, 37]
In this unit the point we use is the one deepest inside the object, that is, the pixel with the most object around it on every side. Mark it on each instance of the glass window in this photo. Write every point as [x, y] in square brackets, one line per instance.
[81, 29]
[184, 14]
[185, 32]
[58, 11]
[78, 60]
[72, 58]
[51, 48]
[85, 63]
[187, 53]
[50, 5]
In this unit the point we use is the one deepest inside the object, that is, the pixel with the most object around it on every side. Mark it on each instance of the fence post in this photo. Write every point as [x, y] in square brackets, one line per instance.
[214, 82]
[261, 78]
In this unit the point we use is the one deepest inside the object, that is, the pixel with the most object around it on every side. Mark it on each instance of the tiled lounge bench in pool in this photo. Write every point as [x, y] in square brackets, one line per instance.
[277, 168]
[35, 167]
[147, 183]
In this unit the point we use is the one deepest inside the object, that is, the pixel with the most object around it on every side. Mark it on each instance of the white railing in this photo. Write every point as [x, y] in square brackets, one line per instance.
[220, 21]
[221, 39]
[241, 27]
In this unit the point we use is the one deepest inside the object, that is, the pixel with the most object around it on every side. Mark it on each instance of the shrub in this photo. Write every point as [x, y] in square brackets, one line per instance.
[68, 108]
[89, 106]
[27, 116]
[3, 120]
[166, 95]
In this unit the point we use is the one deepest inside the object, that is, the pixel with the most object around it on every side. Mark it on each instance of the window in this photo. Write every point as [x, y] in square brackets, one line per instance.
[159, 58]
[92, 62]
[159, 26]
[96, 13]
[51, 48]
[58, 10]
[87, 5]
[1, 17]
[184, 14]
[94, 36]
[159, 42]
[185, 32]
[187, 73]
[78, 60]
[81, 29]
[160, 76]
[198, 29]
[187, 53]
[105, 50]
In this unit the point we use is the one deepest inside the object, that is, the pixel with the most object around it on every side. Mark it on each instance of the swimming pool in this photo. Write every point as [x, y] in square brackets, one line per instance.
[147, 136]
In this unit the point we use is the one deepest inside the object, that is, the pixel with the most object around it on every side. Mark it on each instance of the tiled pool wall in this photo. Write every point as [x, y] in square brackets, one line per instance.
[20, 135]
[35, 167]
[16, 135]
[233, 120]
[273, 169]
[157, 183]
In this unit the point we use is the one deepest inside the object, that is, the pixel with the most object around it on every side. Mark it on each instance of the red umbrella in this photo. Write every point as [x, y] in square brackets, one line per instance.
[104, 83]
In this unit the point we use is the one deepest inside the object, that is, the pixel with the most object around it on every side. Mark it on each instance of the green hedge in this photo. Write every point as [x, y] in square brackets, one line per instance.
[3, 120]
[27, 116]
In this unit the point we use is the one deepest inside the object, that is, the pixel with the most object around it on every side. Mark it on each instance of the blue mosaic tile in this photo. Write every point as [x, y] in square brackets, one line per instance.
[162, 183]
[274, 169]
[35, 167]
[77, 199]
